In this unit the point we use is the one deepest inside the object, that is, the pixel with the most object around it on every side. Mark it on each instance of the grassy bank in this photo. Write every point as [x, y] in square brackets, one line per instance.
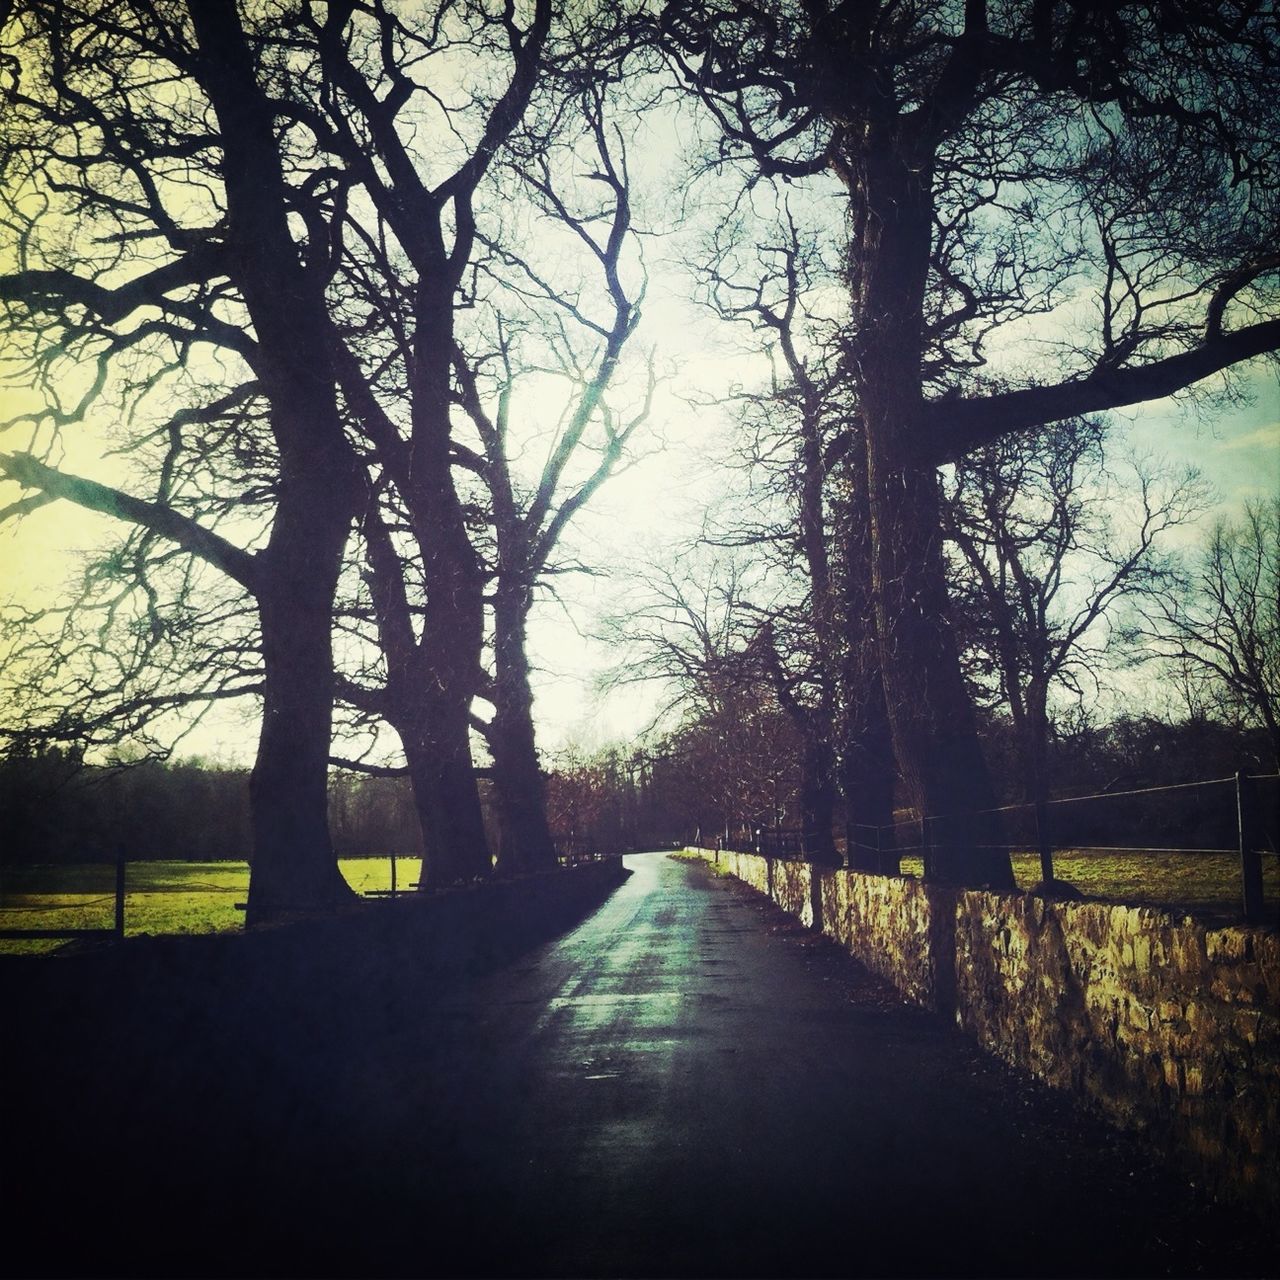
[202, 897]
[1206, 884]
[160, 897]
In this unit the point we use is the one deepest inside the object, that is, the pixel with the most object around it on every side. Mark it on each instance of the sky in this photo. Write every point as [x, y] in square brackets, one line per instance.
[662, 501]
[642, 514]
[650, 506]
[655, 506]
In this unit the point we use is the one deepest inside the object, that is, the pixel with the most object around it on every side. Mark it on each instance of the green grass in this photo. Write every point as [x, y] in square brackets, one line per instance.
[201, 897]
[160, 897]
[1203, 883]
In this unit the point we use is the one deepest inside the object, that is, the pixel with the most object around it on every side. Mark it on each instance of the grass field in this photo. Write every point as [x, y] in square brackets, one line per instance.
[160, 897]
[201, 897]
[1206, 884]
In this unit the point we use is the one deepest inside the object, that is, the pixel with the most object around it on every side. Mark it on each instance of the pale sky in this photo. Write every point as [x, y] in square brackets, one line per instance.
[657, 503]
[663, 500]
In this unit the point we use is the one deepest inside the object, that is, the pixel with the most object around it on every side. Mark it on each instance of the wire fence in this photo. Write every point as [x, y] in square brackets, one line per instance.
[402, 881]
[109, 895]
[31, 913]
[1232, 825]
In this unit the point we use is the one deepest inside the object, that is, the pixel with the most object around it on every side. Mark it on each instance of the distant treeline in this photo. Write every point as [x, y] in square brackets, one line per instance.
[55, 809]
[710, 779]
[1138, 754]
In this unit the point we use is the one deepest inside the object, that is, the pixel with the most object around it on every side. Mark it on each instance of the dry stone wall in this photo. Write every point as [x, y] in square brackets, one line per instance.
[793, 888]
[890, 923]
[1155, 1019]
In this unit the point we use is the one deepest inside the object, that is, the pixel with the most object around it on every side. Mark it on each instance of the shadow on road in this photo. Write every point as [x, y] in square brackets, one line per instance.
[685, 1084]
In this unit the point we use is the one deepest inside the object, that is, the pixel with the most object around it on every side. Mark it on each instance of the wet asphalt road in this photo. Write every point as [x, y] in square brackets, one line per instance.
[687, 1084]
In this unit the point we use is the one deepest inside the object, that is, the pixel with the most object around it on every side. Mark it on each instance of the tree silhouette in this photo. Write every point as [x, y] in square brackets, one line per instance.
[998, 161]
[393, 248]
[239, 186]
[545, 325]
[160, 225]
[808, 517]
[1222, 620]
[1044, 557]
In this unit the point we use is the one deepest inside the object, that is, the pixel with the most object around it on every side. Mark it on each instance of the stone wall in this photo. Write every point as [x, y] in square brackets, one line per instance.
[793, 888]
[890, 923]
[788, 883]
[750, 868]
[1161, 1023]
[1154, 1018]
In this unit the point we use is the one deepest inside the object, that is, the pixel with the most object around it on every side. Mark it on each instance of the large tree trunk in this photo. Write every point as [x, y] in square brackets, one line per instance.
[429, 707]
[449, 670]
[524, 840]
[438, 706]
[1033, 748]
[818, 797]
[815, 727]
[294, 867]
[430, 686]
[427, 702]
[431, 683]
[1033, 745]
[454, 848]
[930, 713]
[868, 774]
[818, 790]
[868, 793]
[867, 764]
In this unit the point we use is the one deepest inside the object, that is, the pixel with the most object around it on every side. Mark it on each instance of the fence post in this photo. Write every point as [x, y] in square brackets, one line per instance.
[1042, 841]
[120, 870]
[393, 875]
[926, 850]
[1250, 855]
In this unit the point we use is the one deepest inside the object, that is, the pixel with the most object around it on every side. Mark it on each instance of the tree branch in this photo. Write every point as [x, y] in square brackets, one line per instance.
[31, 473]
[953, 428]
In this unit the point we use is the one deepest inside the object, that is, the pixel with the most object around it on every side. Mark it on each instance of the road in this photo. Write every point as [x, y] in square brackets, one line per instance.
[687, 1084]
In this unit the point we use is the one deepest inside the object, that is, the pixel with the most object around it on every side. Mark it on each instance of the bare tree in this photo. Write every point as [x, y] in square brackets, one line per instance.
[348, 252]
[418, 245]
[868, 771]
[151, 218]
[1222, 620]
[788, 427]
[693, 631]
[1044, 559]
[803, 513]
[142, 646]
[548, 328]
[514, 323]
[997, 160]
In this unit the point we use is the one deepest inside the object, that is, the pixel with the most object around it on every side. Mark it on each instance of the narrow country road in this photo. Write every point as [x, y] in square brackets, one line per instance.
[687, 1084]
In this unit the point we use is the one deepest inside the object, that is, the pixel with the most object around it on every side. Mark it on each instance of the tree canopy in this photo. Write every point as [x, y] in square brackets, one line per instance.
[355, 292]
